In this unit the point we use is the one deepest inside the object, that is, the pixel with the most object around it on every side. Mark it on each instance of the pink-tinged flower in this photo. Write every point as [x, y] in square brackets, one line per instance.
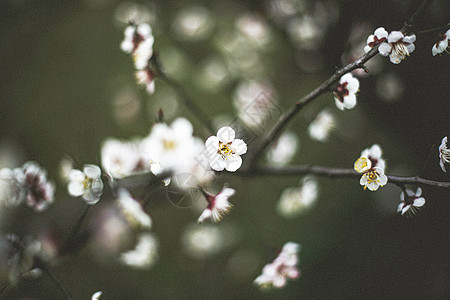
[224, 151]
[378, 37]
[146, 77]
[444, 154]
[284, 267]
[218, 205]
[135, 35]
[39, 191]
[411, 202]
[442, 44]
[397, 46]
[345, 92]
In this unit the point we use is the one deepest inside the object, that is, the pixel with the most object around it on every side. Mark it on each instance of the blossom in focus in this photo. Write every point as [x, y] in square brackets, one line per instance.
[397, 46]
[133, 210]
[378, 37]
[16, 256]
[284, 267]
[320, 128]
[373, 177]
[144, 255]
[411, 202]
[345, 92]
[224, 151]
[294, 201]
[442, 44]
[282, 151]
[374, 154]
[86, 183]
[218, 205]
[444, 154]
[121, 159]
[39, 191]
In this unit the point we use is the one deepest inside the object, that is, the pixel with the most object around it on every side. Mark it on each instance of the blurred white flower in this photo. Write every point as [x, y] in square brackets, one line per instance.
[444, 154]
[144, 255]
[133, 211]
[193, 23]
[39, 191]
[121, 159]
[411, 202]
[378, 37]
[397, 46]
[442, 44]
[321, 126]
[87, 184]
[306, 31]
[224, 151]
[284, 149]
[12, 193]
[135, 35]
[16, 256]
[200, 241]
[218, 205]
[254, 28]
[284, 267]
[96, 295]
[294, 201]
[390, 87]
[345, 92]
[146, 78]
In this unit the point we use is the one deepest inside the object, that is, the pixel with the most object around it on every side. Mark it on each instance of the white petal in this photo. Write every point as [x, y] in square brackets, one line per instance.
[226, 134]
[400, 207]
[383, 179]
[339, 104]
[92, 171]
[419, 202]
[434, 50]
[409, 39]
[227, 192]
[353, 85]
[239, 146]
[418, 192]
[385, 49]
[205, 215]
[350, 101]
[363, 180]
[410, 48]
[233, 164]
[212, 144]
[405, 209]
[395, 36]
[76, 175]
[367, 49]
[218, 164]
[182, 127]
[395, 59]
[381, 32]
[75, 189]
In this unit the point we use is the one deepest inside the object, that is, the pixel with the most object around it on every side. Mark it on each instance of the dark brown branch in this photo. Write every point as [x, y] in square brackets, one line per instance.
[337, 173]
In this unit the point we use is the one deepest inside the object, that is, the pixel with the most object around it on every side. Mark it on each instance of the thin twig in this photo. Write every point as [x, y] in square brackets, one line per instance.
[55, 280]
[190, 104]
[337, 173]
[439, 29]
[75, 230]
[412, 20]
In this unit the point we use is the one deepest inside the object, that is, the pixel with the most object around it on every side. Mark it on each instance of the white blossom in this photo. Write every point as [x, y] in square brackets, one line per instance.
[200, 241]
[146, 77]
[371, 165]
[284, 149]
[397, 46]
[295, 200]
[144, 255]
[284, 267]
[376, 38]
[442, 44]
[411, 202]
[444, 154]
[374, 154]
[135, 35]
[320, 128]
[133, 210]
[345, 92]
[12, 193]
[218, 205]
[86, 183]
[224, 151]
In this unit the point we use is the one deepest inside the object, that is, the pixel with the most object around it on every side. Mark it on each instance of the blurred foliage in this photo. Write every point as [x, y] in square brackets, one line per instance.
[65, 85]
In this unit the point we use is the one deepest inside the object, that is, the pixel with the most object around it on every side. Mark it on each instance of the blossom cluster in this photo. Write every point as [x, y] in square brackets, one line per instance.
[138, 42]
[371, 165]
[284, 267]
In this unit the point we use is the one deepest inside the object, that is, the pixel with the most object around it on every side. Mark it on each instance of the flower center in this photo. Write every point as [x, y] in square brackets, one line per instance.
[225, 150]
[87, 182]
[341, 91]
[169, 145]
[400, 50]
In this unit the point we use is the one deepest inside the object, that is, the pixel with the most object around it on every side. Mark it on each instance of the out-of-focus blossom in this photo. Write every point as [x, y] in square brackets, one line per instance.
[282, 151]
[444, 154]
[397, 46]
[442, 44]
[193, 23]
[96, 295]
[146, 77]
[135, 35]
[345, 92]
[225, 151]
[218, 205]
[121, 159]
[200, 241]
[254, 28]
[306, 32]
[284, 267]
[411, 202]
[389, 87]
[87, 184]
[378, 37]
[65, 167]
[294, 201]
[213, 74]
[139, 13]
[321, 126]
[144, 255]
[372, 166]
[133, 211]
[12, 193]
[39, 191]
[255, 102]
[16, 256]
